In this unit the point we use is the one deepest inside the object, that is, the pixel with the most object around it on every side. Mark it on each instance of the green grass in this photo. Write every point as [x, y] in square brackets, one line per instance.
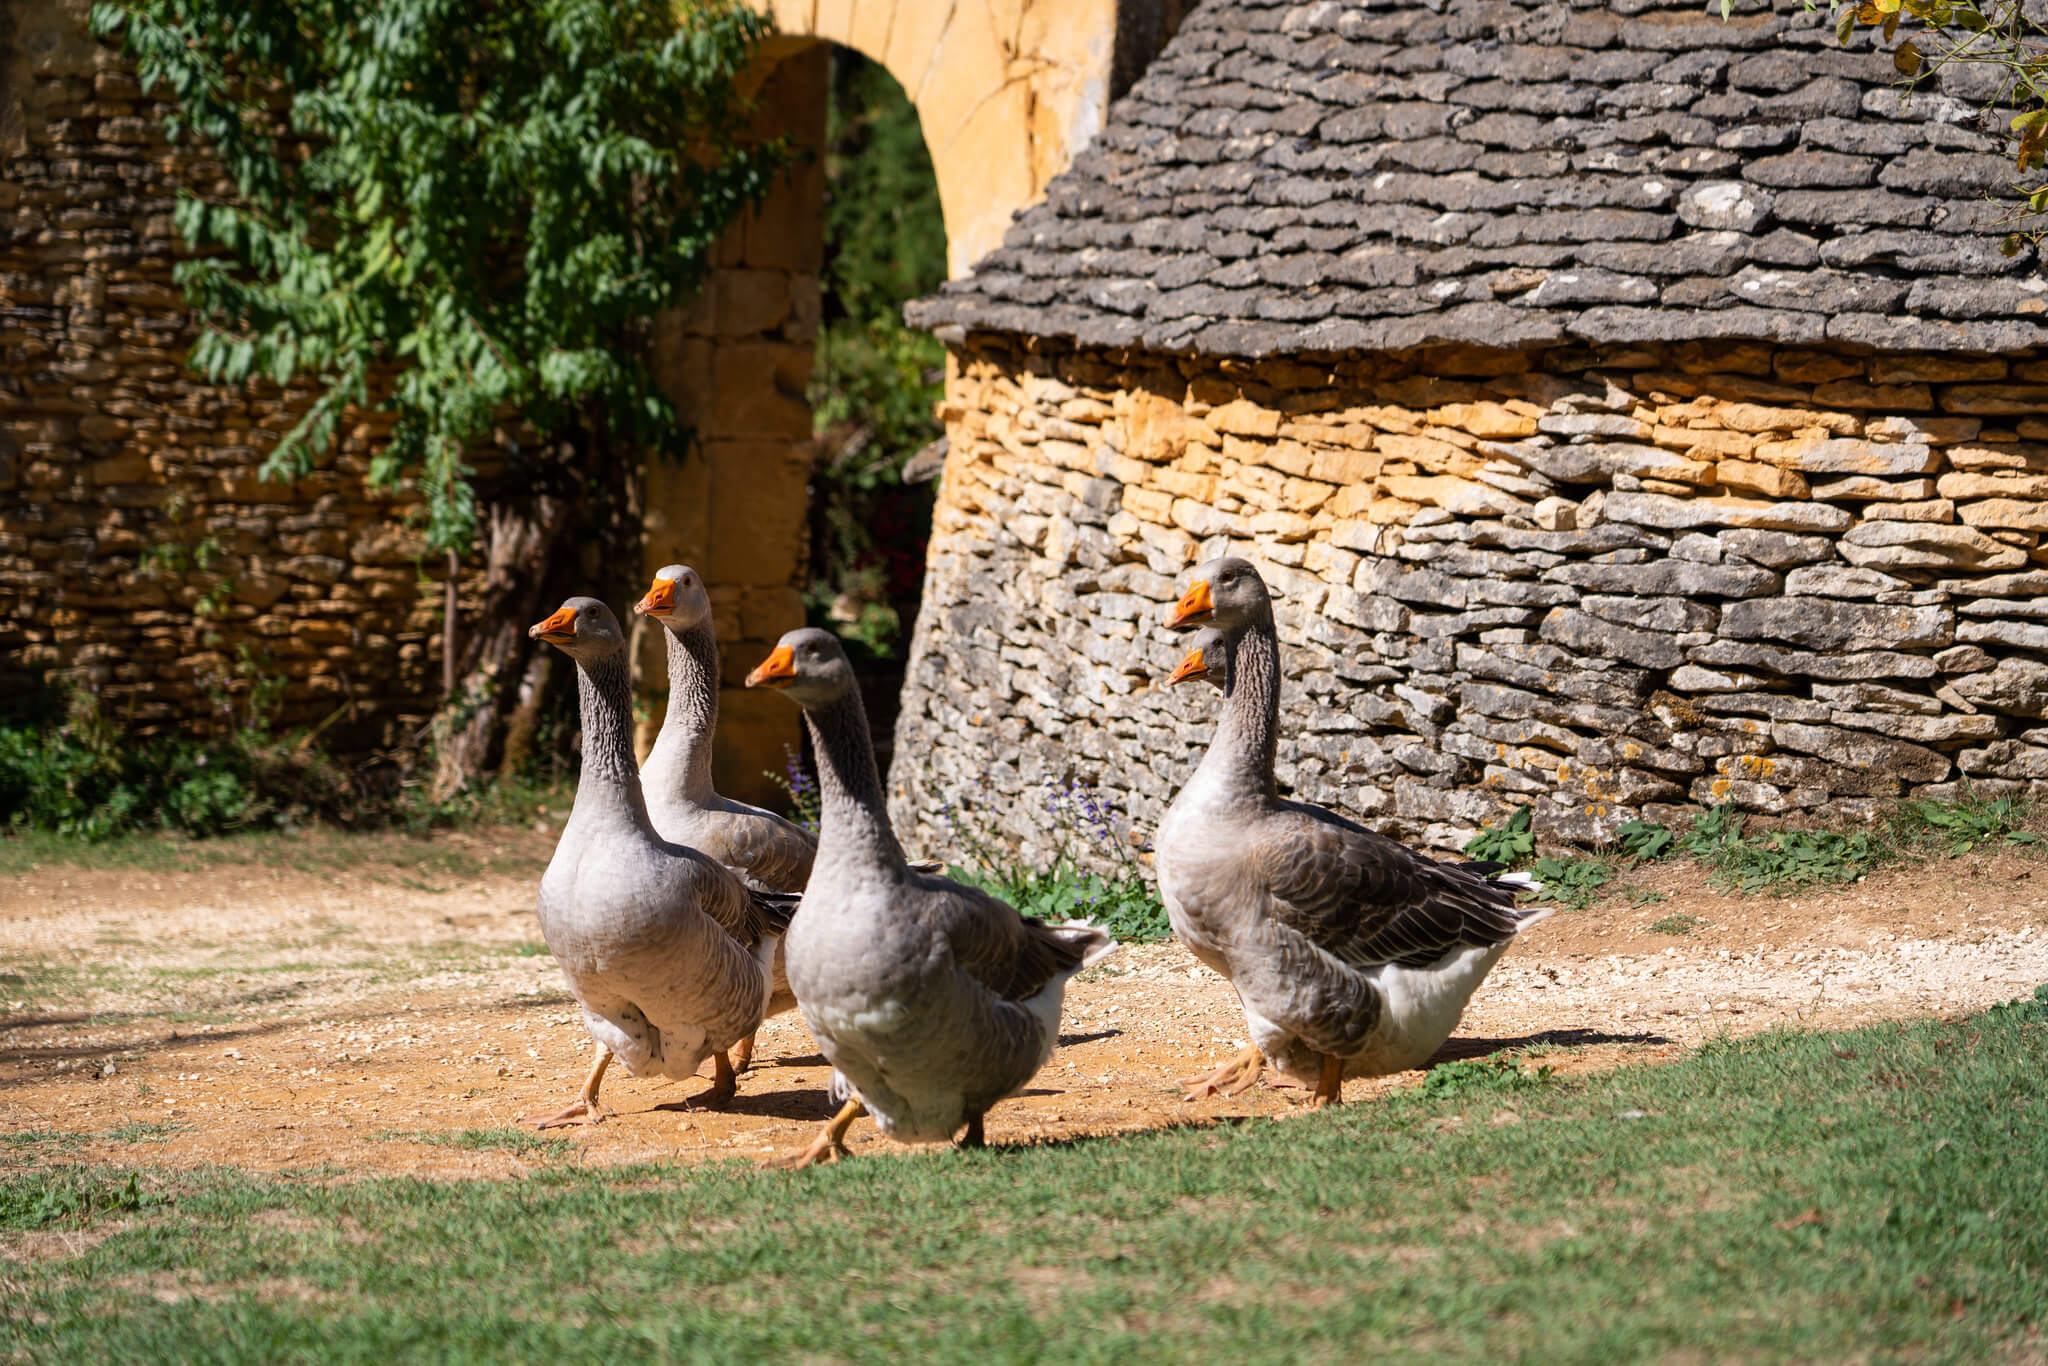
[1678, 922]
[419, 861]
[1775, 861]
[504, 1140]
[1879, 1194]
[148, 1131]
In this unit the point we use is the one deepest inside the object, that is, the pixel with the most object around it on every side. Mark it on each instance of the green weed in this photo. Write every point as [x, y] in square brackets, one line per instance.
[1681, 922]
[1571, 881]
[1962, 826]
[147, 1131]
[1476, 1076]
[1507, 843]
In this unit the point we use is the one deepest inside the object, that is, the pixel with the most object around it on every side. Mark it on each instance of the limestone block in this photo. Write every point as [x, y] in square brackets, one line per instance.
[1747, 476]
[758, 492]
[1894, 759]
[1931, 431]
[1775, 549]
[1840, 581]
[1756, 417]
[1998, 455]
[1656, 578]
[1864, 488]
[1926, 545]
[1672, 514]
[1461, 497]
[2011, 513]
[1850, 456]
[1823, 624]
[2014, 687]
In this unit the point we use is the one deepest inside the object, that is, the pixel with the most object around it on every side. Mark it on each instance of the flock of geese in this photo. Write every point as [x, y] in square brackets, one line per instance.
[674, 912]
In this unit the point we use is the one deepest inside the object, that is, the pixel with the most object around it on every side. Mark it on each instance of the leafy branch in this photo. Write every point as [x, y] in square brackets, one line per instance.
[454, 210]
[1998, 34]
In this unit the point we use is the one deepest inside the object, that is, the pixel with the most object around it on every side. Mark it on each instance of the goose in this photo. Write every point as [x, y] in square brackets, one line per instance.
[1351, 954]
[933, 999]
[681, 801]
[667, 951]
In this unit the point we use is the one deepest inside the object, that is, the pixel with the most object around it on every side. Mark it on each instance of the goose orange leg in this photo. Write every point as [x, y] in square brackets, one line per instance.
[1330, 1089]
[829, 1145]
[585, 1109]
[743, 1054]
[724, 1085]
[1235, 1076]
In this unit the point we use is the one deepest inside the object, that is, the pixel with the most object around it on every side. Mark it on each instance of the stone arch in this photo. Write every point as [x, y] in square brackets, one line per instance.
[1008, 90]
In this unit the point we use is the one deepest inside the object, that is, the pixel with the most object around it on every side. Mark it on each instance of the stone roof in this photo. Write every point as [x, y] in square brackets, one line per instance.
[1329, 178]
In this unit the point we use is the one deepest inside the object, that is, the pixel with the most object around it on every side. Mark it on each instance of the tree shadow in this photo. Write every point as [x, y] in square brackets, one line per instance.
[30, 1057]
[1463, 1049]
[1069, 1040]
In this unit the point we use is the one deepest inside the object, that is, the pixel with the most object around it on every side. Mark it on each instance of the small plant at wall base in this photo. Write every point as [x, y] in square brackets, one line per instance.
[1124, 902]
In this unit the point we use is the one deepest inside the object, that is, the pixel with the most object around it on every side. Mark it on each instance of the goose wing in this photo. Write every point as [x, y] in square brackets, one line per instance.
[1367, 900]
[775, 852]
[1014, 955]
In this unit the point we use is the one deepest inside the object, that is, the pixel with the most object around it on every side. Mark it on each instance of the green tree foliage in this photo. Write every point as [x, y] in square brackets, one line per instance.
[452, 208]
[875, 380]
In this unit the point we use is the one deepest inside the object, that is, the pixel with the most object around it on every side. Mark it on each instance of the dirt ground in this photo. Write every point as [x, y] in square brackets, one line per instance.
[342, 1013]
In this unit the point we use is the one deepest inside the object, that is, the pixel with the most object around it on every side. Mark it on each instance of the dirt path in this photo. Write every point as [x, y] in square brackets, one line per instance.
[367, 1013]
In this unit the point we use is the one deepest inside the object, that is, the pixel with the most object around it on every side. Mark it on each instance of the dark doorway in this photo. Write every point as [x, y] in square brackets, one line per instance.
[874, 381]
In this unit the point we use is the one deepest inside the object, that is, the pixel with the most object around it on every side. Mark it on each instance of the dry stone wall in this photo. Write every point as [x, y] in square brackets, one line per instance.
[1602, 582]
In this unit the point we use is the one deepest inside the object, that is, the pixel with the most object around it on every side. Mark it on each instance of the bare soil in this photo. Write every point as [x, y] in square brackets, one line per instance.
[340, 1013]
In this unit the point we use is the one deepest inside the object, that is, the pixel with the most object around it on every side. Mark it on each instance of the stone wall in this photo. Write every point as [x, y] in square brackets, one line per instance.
[1601, 582]
[139, 553]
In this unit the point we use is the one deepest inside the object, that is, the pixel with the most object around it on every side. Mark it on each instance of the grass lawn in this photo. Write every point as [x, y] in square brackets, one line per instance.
[1871, 1195]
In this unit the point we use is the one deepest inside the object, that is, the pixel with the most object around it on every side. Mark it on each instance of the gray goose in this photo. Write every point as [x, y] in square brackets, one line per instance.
[681, 801]
[666, 950]
[1351, 954]
[934, 999]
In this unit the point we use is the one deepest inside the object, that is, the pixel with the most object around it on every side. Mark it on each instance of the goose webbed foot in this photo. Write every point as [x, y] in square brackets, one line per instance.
[724, 1085]
[1238, 1075]
[1330, 1087]
[586, 1108]
[829, 1145]
[974, 1137]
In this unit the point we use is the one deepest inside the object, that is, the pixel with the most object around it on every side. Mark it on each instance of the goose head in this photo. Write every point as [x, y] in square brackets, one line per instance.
[1226, 593]
[677, 598]
[582, 628]
[808, 665]
[1208, 658]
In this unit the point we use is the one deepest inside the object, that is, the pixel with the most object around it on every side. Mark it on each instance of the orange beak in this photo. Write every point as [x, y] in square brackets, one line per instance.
[558, 629]
[1190, 667]
[778, 670]
[1193, 608]
[660, 600]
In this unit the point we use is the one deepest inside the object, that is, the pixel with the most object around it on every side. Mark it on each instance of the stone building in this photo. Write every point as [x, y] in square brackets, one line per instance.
[1628, 408]
[129, 498]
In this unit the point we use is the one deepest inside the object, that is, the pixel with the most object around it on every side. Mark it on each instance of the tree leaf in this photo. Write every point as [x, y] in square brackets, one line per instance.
[1907, 58]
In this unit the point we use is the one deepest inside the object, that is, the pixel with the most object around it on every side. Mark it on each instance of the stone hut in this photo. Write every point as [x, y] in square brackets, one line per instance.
[1628, 408]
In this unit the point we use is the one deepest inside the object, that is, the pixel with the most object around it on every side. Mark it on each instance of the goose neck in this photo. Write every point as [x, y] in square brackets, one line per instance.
[854, 824]
[609, 783]
[1240, 758]
[684, 745]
